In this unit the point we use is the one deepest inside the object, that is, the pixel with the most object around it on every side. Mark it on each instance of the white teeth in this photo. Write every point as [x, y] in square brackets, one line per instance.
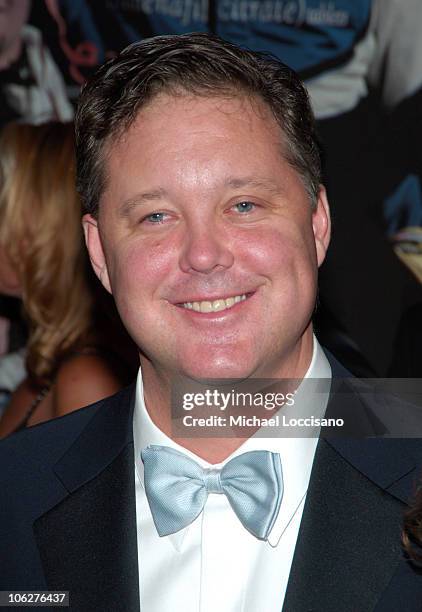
[205, 306]
[216, 305]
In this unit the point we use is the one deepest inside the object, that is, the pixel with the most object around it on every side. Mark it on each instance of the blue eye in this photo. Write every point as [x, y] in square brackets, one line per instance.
[244, 207]
[157, 217]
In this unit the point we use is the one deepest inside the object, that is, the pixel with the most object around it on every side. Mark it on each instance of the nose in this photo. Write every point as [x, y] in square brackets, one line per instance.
[205, 249]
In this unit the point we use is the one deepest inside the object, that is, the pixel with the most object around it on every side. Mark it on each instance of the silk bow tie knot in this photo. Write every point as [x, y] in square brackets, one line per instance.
[177, 488]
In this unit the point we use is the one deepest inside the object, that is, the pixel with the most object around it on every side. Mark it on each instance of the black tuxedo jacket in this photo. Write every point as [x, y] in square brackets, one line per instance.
[67, 515]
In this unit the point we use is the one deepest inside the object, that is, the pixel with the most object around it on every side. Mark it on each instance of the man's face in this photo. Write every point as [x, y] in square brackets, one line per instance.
[208, 242]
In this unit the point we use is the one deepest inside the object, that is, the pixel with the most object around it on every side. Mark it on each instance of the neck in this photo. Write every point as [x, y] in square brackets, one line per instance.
[157, 393]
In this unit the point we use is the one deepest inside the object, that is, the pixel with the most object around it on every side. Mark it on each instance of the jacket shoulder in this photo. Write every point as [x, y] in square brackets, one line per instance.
[42, 445]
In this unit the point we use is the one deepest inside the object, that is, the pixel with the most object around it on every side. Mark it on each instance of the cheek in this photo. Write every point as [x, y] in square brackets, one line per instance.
[139, 269]
[286, 258]
[278, 250]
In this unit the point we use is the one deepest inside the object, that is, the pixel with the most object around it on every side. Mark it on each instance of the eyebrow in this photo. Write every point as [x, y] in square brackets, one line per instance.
[256, 182]
[141, 198]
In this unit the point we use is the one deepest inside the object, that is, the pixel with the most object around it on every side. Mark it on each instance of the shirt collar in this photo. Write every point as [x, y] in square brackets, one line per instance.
[296, 454]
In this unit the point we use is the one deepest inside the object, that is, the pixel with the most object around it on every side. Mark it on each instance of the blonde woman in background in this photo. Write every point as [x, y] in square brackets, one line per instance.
[43, 261]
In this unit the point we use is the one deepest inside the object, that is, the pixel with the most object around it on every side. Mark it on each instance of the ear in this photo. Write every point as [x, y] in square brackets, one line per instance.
[321, 224]
[95, 249]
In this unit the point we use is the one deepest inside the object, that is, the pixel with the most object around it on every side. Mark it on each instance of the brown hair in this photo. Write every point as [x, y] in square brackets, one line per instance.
[198, 64]
[412, 530]
[40, 231]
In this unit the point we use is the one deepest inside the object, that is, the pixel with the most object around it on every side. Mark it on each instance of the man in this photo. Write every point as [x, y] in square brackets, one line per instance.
[206, 219]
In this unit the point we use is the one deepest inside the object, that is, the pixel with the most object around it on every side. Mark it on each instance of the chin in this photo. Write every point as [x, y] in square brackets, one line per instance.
[218, 370]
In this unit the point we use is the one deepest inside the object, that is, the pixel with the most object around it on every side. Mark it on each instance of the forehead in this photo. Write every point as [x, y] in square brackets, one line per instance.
[169, 114]
[186, 140]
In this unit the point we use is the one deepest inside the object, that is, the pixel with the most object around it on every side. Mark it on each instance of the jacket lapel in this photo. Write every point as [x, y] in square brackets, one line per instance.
[344, 556]
[348, 545]
[88, 543]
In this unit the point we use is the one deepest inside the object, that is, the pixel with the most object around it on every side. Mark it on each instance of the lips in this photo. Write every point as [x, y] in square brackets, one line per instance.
[214, 303]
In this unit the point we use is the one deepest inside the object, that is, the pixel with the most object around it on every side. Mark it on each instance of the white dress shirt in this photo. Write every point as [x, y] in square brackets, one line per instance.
[215, 564]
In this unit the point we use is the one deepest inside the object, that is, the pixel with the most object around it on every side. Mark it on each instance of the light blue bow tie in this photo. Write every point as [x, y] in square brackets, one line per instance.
[177, 488]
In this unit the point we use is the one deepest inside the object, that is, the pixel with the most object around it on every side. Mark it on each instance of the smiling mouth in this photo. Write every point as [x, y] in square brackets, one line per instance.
[216, 305]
